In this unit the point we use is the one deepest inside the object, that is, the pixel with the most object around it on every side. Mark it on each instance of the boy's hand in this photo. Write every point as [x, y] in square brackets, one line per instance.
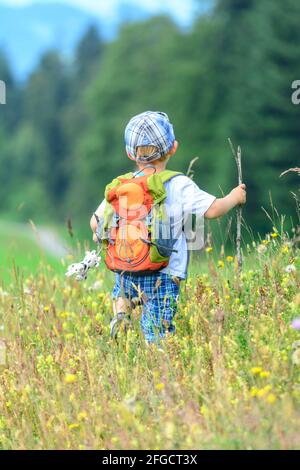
[222, 206]
[239, 194]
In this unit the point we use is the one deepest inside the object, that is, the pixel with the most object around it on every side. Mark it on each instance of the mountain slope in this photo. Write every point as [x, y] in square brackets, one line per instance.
[26, 32]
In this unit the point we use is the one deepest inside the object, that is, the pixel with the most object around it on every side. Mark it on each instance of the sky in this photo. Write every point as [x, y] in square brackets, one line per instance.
[182, 9]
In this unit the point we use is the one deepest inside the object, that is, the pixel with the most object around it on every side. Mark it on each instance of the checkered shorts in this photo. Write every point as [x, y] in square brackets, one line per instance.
[159, 293]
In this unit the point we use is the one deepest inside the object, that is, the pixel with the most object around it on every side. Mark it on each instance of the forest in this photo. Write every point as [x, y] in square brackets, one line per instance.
[230, 74]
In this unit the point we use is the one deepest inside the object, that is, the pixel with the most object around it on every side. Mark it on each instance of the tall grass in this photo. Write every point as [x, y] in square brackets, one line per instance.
[227, 379]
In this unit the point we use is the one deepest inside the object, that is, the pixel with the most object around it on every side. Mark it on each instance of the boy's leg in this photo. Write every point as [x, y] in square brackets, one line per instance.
[121, 308]
[121, 304]
[121, 319]
[160, 308]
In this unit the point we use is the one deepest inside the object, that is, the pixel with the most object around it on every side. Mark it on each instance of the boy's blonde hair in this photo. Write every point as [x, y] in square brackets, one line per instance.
[147, 151]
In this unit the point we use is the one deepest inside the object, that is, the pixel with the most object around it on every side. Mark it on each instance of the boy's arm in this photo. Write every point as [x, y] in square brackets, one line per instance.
[221, 206]
[93, 222]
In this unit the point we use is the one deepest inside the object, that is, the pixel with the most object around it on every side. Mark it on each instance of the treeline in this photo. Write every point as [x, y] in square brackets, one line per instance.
[61, 133]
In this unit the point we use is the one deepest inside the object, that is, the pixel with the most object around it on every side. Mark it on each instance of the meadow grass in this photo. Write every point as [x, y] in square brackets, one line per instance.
[226, 380]
[20, 252]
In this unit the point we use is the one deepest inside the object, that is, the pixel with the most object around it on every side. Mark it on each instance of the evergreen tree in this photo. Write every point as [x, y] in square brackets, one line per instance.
[88, 55]
[77, 118]
[256, 67]
[45, 98]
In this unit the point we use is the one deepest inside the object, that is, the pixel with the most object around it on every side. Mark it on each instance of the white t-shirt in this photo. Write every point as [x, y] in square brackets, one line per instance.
[184, 198]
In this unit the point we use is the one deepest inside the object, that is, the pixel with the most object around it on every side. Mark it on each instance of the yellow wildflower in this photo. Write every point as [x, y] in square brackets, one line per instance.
[254, 391]
[70, 378]
[82, 416]
[264, 374]
[63, 314]
[271, 398]
[209, 249]
[74, 426]
[229, 259]
[50, 421]
[241, 308]
[263, 391]
[256, 370]
[221, 264]
[160, 386]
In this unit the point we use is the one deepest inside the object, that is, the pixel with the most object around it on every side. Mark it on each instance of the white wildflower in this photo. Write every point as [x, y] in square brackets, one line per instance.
[27, 291]
[296, 344]
[96, 286]
[261, 249]
[290, 268]
[296, 357]
[3, 293]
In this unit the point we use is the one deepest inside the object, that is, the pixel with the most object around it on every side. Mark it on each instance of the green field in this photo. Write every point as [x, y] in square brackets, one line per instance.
[229, 378]
[20, 253]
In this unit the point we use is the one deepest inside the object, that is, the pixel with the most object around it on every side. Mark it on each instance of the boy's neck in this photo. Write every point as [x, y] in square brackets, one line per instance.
[159, 166]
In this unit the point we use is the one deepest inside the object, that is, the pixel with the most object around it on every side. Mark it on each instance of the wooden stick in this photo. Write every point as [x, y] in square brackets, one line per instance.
[238, 159]
[295, 170]
[190, 171]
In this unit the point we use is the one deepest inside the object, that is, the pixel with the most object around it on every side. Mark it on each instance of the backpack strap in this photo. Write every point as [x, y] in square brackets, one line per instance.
[167, 175]
[115, 182]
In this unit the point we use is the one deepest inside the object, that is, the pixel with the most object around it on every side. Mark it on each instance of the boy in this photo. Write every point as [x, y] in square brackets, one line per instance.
[150, 142]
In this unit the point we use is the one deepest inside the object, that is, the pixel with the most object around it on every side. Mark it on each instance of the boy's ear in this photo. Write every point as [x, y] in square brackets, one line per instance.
[174, 148]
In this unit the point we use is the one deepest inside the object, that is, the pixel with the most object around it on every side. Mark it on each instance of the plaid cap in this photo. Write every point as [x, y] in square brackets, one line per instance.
[149, 128]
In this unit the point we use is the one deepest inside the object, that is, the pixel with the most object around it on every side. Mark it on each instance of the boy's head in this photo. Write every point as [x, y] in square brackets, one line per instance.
[149, 137]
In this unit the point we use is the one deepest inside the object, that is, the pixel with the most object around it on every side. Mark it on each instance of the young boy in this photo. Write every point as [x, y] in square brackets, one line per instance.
[150, 142]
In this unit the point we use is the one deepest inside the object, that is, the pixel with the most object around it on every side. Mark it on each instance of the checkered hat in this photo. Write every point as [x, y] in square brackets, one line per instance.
[149, 128]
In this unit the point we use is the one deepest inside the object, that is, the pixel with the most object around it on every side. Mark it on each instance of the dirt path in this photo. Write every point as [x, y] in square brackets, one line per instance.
[46, 238]
[50, 241]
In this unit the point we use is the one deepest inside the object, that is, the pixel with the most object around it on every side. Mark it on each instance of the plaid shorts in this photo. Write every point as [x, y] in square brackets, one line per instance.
[159, 293]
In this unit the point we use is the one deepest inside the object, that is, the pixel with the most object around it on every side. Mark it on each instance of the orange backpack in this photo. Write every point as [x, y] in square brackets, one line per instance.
[136, 233]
